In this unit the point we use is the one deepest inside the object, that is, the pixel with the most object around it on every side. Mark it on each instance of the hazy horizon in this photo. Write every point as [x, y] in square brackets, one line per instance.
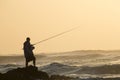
[40, 19]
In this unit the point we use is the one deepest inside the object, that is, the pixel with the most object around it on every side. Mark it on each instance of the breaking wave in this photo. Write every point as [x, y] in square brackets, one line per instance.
[74, 71]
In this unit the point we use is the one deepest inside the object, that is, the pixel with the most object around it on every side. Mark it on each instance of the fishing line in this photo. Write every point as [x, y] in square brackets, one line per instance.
[54, 36]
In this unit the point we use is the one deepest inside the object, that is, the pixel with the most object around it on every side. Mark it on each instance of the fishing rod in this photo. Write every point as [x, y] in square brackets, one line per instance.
[54, 36]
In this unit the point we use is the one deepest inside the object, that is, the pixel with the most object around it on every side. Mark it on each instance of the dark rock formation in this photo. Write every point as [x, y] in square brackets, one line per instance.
[30, 73]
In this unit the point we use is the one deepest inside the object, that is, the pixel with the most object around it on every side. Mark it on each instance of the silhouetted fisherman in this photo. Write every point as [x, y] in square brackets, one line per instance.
[28, 52]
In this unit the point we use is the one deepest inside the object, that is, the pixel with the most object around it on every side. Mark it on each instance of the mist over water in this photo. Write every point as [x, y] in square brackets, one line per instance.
[84, 63]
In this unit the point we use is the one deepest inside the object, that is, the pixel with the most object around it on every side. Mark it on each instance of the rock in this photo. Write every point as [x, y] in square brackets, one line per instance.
[29, 73]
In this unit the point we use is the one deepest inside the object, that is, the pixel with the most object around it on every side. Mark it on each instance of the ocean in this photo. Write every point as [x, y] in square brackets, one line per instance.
[81, 63]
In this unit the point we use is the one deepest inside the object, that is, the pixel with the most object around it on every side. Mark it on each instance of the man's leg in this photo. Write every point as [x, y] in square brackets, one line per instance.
[34, 62]
[26, 63]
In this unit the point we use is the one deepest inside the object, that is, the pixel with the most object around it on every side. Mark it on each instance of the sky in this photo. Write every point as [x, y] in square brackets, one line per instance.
[99, 22]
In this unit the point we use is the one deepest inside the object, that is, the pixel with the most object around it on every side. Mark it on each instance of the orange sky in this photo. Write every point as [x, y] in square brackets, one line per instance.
[99, 22]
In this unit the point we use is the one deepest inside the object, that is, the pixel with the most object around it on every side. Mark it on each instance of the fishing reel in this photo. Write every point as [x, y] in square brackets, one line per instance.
[32, 47]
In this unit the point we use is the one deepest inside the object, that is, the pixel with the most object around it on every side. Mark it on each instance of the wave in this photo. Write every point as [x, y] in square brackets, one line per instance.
[60, 68]
[87, 57]
[74, 71]
[104, 69]
[70, 63]
[57, 68]
[7, 67]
